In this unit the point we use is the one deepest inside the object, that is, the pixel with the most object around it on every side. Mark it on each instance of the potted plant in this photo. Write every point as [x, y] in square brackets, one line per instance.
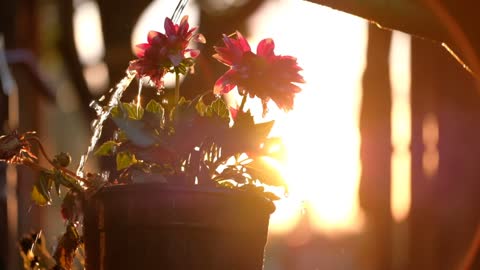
[188, 191]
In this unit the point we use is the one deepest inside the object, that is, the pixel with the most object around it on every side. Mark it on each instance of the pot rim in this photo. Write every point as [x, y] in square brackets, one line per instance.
[166, 187]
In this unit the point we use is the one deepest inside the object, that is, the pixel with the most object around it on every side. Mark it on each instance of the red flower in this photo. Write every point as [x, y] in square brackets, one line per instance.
[166, 52]
[265, 75]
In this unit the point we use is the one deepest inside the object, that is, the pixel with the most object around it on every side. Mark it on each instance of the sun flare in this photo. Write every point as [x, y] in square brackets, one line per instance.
[321, 133]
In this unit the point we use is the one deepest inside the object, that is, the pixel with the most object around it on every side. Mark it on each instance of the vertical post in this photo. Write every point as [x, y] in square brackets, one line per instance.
[7, 18]
[422, 99]
[3, 218]
[376, 150]
[444, 207]
[8, 177]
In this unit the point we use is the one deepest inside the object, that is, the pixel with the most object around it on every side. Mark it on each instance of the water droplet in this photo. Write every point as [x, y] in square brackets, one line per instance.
[139, 95]
[103, 113]
[96, 107]
[115, 135]
[105, 175]
[93, 124]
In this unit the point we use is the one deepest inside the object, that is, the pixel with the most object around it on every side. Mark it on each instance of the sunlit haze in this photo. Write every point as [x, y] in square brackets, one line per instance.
[321, 134]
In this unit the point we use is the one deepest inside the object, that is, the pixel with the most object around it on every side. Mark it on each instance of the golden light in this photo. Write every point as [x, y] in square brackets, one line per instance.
[88, 32]
[321, 133]
[430, 157]
[90, 47]
[401, 125]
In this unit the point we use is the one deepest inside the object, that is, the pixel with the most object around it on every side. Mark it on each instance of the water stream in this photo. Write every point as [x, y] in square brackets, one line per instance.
[116, 95]
[102, 115]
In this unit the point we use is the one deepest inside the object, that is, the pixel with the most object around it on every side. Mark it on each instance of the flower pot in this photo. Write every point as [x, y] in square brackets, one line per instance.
[159, 226]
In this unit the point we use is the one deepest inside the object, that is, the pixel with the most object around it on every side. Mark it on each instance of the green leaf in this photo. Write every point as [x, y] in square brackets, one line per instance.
[232, 173]
[57, 187]
[133, 111]
[183, 101]
[106, 149]
[246, 136]
[263, 129]
[264, 171]
[201, 107]
[183, 113]
[41, 189]
[154, 107]
[245, 122]
[226, 184]
[270, 195]
[125, 160]
[120, 135]
[135, 131]
[39, 197]
[116, 112]
[153, 116]
[275, 148]
[62, 179]
[219, 108]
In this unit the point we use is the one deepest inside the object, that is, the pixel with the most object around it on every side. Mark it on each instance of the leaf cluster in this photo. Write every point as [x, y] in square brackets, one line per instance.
[194, 141]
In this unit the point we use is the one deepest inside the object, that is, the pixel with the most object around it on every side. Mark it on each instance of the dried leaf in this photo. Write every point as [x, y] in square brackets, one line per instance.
[65, 250]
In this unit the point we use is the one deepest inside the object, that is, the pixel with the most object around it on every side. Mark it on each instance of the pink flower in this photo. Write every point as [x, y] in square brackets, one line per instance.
[166, 52]
[265, 75]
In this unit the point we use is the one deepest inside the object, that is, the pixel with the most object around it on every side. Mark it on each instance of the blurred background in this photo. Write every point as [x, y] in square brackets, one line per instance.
[383, 143]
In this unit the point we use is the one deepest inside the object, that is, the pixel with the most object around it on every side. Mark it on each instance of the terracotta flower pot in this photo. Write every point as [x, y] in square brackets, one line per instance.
[158, 226]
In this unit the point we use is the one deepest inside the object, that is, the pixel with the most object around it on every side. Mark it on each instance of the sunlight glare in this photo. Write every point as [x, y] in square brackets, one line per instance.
[321, 133]
[88, 33]
[401, 125]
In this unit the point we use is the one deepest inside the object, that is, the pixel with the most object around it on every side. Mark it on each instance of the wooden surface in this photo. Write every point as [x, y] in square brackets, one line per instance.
[376, 151]
[450, 21]
[164, 226]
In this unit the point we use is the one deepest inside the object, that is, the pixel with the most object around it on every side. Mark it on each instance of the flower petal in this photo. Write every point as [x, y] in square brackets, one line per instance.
[200, 38]
[193, 53]
[183, 28]
[169, 27]
[224, 84]
[243, 42]
[266, 47]
[233, 112]
[223, 56]
[140, 49]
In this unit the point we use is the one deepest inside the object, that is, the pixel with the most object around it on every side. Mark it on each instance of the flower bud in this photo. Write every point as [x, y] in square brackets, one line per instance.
[62, 159]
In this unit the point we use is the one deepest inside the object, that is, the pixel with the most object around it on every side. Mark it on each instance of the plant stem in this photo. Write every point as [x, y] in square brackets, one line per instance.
[64, 170]
[244, 100]
[177, 87]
